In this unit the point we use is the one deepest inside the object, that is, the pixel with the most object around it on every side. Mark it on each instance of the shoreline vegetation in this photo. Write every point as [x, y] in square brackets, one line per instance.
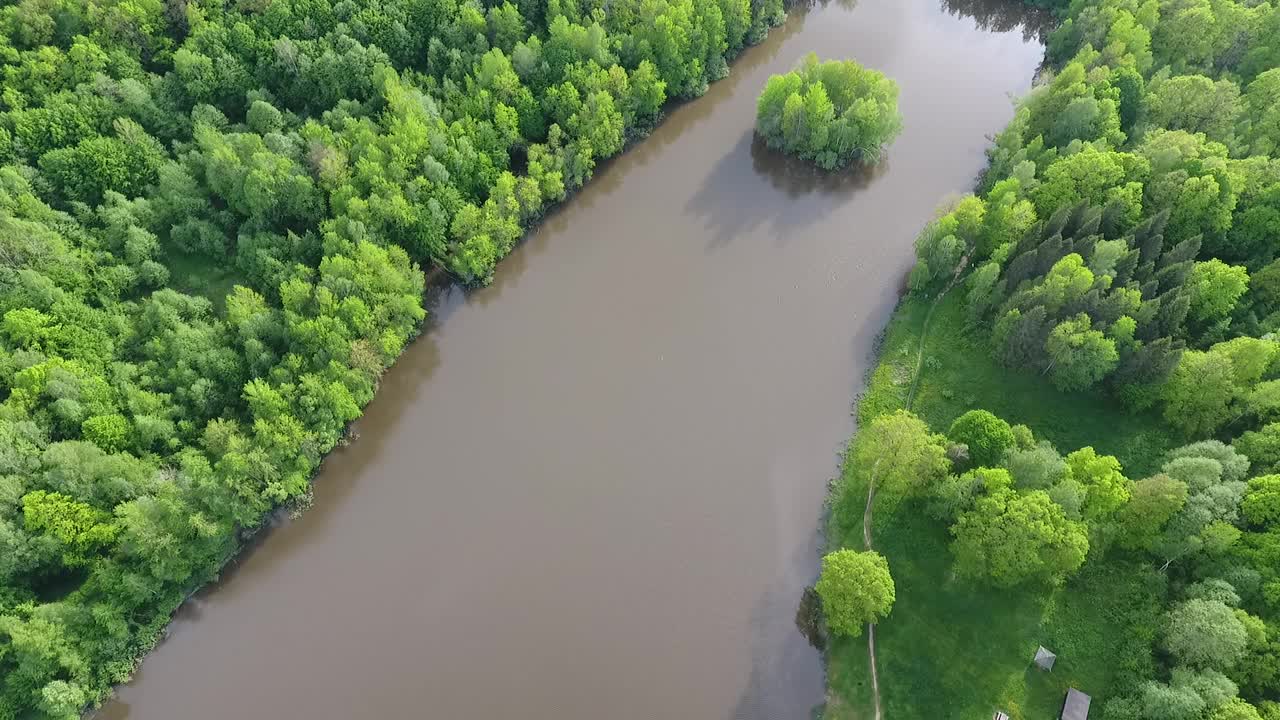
[215, 223]
[1068, 438]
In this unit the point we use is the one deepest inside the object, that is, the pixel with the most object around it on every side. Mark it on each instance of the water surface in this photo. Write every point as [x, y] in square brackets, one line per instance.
[593, 488]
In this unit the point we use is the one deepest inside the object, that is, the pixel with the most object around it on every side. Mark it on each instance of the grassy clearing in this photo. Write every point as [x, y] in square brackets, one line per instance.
[958, 374]
[956, 649]
[194, 275]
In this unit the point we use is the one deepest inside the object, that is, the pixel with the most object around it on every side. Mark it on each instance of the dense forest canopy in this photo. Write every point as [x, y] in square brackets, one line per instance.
[1125, 241]
[214, 220]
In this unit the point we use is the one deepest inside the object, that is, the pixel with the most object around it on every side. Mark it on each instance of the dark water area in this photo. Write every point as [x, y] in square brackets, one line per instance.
[593, 488]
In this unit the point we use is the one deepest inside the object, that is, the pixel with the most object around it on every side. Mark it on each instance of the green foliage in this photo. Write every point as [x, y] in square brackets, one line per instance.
[1107, 488]
[856, 589]
[1235, 709]
[79, 530]
[1262, 446]
[1207, 388]
[214, 226]
[898, 458]
[830, 113]
[989, 438]
[1215, 289]
[1010, 538]
[1152, 503]
[1079, 356]
[1145, 276]
[1261, 504]
[1039, 467]
[1205, 634]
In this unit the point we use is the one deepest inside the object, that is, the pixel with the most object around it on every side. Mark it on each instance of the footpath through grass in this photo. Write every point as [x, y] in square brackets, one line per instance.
[959, 374]
[956, 649]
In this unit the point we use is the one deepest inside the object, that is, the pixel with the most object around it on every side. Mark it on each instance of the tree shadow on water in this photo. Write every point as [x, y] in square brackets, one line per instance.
[786, 680]
[1005, 16]
[794, 195]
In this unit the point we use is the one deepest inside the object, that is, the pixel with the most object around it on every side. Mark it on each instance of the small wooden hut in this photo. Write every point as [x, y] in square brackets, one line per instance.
[1076, 706]
[1044, 658]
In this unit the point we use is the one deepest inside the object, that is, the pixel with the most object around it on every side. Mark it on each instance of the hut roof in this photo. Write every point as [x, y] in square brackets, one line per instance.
[1076, 706]
[1044, 658]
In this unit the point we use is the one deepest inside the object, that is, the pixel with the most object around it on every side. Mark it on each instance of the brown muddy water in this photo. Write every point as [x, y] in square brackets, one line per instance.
[593, 488]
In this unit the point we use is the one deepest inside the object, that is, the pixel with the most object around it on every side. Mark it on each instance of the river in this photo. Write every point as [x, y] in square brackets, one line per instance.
[593, 488]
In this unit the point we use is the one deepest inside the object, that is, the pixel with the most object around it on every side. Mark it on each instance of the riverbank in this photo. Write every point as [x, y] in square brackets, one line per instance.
[504, 490]
[1107, 313]
[950, 648]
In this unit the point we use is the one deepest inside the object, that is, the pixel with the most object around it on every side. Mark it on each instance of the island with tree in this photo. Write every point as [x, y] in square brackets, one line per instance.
[830, 113]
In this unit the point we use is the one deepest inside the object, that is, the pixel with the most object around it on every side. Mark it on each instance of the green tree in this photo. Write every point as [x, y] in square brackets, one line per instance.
[109, 432]
[1036, 468]
[1100, 475]
[1153, 502]
[80, 530]
[1198, 394]
[1205, 634]
[957, 493]
[1215, 289]
[1010, 538]
[898, 456]
[1262, 98]
[1079, 356]
[1158, 700]
[1262, 446]
[989, 438]
[263, 117]
[1196, 104]
[856, 589]
[1261, 504]
[1235, 709]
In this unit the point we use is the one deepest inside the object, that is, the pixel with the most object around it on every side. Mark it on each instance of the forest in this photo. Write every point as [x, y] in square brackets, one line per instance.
[216, 223]
[1114, 282]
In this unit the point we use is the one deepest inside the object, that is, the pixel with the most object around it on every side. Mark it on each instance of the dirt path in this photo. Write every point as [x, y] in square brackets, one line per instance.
[871, 627]
[871, 489]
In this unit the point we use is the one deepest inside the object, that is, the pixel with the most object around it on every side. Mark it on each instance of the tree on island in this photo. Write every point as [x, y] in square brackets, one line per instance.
[829, 113]
[856, 589]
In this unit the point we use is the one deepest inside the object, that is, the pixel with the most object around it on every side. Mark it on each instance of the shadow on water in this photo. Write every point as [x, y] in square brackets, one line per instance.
[1004, 16]
[798, 178]
[680, 117]
[733, 202]
[784, 680]
[782, 683]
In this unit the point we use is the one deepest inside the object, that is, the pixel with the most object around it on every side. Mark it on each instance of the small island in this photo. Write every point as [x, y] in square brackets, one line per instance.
[829, 113]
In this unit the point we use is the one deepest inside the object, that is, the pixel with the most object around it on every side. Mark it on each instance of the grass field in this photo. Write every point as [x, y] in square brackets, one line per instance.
[953, 649]
[959, 374]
